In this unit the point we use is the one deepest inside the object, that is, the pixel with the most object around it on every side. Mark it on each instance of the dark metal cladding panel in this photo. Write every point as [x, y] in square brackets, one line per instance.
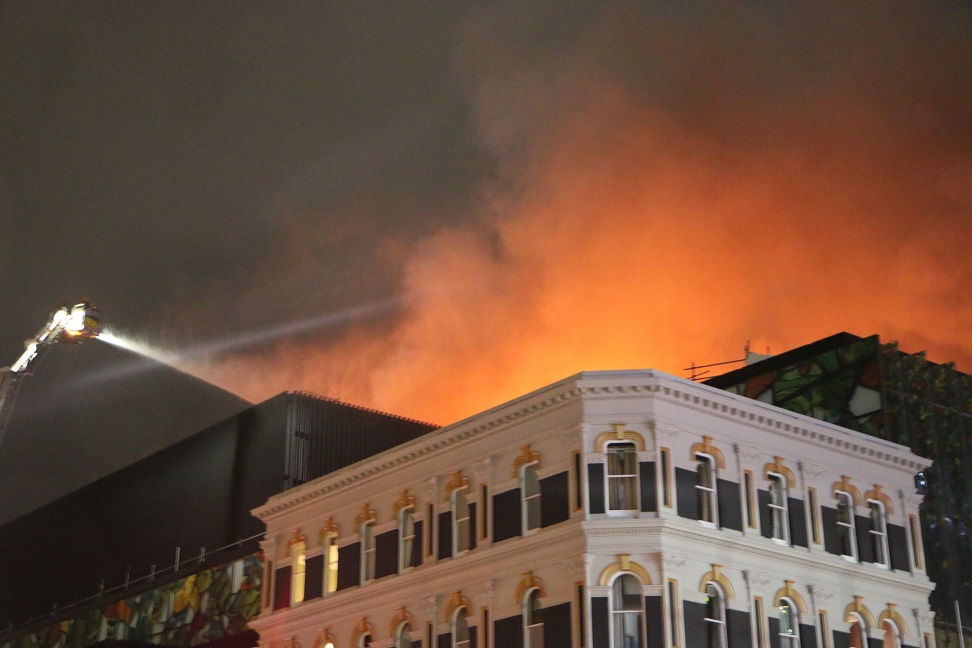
[314, 577]
[349, 566]
[554, 499]
[386, 553]
[765, 516]
[865, 546]
[808, 635]
[556, 626]
[730, 509]
[841, 639]
[595, 487]
[654, 616]
[509, 632]
[739, 630]
[773, 624]
[649, 494]
[281, 588]
[686, 493]
[445, 640]
[417, 545]
[898, 546]
[472, 637]
[506, 515]
[600, 622]
[828, 517]
[796, 511]
[473, 533]
[694, 617]
[445, 535]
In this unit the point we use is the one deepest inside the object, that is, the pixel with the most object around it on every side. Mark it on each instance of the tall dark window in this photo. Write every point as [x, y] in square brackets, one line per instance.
[778, 510]
[706, 488]
[845, 524]
[532, 620]
[622, 477]
[715, 617]
[789, 625]
[530, 491]
[627, 612]
[879, 532]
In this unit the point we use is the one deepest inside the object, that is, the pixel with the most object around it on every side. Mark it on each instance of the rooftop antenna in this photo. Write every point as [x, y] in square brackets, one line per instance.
[696, 375]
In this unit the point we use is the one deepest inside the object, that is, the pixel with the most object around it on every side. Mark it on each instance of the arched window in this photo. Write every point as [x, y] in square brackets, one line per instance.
[705, 488]
[627, 613]
[298, 565]
[858, 632]
[406, 538]
[777, 505]
[845, 524]
[715, 617]
[460, 521]
[879, 532]
[367, 551]
[330, 552]
[532, 620]
[530, 489]
[460, 628]
[789, 624]
[364, 641]
[403, 635]
[892, 636]
[622, 476]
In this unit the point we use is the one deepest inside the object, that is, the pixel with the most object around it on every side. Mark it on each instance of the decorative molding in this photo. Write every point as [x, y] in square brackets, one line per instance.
[759, 578]
[652, 385]
[330, 528]
[367, 514]
[456, 601]
[296, 538]
[527, 456]
[706, 447]
[457, 481]
[859, 609]
[361, 628]
[529, 582]
[789, 592]
[324, 637]
[716, 575]
[401, 616]
[845, 486]
[777, 467]
[619, 433]
[880, 496]
[892, 615]
[624, 564]
[673, 560]
[404, 501]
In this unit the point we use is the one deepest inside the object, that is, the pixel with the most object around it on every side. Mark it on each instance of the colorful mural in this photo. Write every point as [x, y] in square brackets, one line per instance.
[200, 607]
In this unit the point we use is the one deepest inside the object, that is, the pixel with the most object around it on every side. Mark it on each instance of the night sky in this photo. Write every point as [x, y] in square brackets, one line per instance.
[433, 207]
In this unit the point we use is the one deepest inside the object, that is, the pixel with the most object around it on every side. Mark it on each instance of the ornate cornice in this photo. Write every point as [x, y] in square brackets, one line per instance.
[644, 385]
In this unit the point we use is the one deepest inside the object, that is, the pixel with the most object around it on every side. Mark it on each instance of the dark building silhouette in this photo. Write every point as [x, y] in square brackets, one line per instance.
[875, 388]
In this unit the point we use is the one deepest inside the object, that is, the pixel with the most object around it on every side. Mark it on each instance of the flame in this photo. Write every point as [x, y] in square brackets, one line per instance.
[637, 224]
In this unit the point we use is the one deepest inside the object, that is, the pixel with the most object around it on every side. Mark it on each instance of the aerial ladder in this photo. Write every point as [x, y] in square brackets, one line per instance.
[68, 324]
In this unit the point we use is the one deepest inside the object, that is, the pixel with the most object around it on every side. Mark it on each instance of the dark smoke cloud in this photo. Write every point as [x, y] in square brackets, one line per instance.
[542, 190]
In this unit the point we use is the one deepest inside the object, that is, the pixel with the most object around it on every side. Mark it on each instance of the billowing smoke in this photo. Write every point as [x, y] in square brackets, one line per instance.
[669, 184]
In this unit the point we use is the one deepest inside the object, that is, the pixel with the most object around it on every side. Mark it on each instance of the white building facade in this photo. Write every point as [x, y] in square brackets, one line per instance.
[621, 509]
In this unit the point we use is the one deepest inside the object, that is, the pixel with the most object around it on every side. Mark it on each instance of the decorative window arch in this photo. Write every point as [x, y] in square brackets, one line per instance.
[624, 564]
[363, 634]
[627, 612]
[890, 613]
[716, 575]
[861, 621]
[891, 634]
[459, 627]
[400, 628]
[715, 616]
[324, 639]
[617, 434]
[297, 548]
